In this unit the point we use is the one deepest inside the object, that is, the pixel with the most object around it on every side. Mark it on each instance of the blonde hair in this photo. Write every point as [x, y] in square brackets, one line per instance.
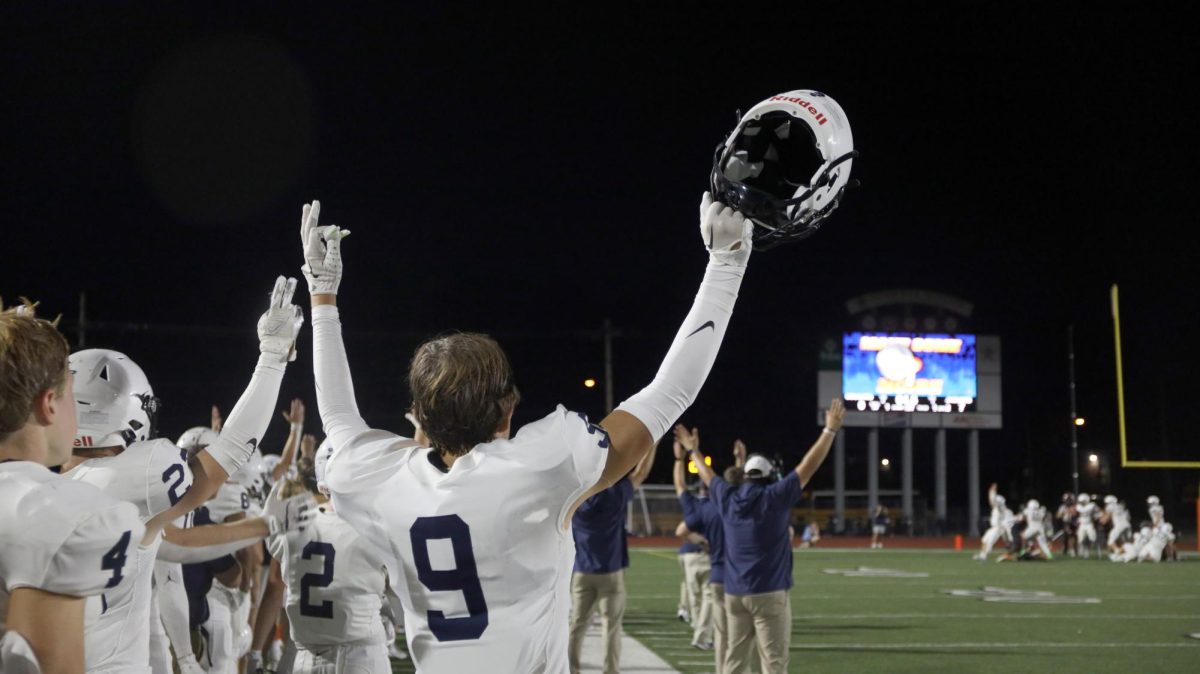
[33, 360]
[462, 389]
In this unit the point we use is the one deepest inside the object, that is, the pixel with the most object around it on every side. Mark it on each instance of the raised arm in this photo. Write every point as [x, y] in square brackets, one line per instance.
[295, 418]
[992, 494]
[243, 430]
[323, 270]
[690, 440]
[816, 454]
[677, 473]
[638, 423]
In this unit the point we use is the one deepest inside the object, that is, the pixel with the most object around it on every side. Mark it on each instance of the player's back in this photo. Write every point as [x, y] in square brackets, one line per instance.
[478, 553]
[335, 583]
[62, 536]
[1087, 513]
[153, 476]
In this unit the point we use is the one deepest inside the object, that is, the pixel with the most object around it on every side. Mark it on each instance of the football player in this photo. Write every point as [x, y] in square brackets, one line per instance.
[1161, 536]
[476, 529]
[61, 541]
[999, 524]
[115, 452]
[1034, 516]
[1066, 516]
[335, 587]
[1085, 511]
[1116, 515]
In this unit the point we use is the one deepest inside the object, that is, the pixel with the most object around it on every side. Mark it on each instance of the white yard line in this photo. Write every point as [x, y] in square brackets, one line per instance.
[634, 656]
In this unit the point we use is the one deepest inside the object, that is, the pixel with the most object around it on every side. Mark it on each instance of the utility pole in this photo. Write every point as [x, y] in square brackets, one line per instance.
[1074, 425]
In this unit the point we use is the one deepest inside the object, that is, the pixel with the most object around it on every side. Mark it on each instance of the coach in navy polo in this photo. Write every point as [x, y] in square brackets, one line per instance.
[758, 551]
[601, 556]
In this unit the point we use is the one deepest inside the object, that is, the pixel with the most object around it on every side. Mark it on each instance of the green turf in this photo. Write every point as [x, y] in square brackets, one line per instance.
[845, 624]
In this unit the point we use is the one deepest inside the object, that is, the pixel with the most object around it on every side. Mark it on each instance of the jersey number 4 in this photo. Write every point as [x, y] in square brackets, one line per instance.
[114, 560]
[463, 578]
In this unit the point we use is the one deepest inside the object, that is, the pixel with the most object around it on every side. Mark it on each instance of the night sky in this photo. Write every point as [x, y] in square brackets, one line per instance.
[529, 174]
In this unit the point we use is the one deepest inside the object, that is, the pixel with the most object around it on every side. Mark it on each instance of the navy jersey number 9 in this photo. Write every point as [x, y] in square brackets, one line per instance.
[463, 578]
[311, 580]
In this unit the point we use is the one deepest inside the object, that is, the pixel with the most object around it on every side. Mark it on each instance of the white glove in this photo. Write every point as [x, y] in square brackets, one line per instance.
[188, 665]
[322, 251]
[279, 326]
[726, 233]
[254, 663]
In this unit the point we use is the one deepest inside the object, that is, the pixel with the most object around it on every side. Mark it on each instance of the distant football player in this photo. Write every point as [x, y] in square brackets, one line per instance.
[476, 529]
[1066, 516]
[999, 523]
[61, 541]
[758, 551]
[1116, 515]
[1161, 536]
[1034, 516]
[1085, 511]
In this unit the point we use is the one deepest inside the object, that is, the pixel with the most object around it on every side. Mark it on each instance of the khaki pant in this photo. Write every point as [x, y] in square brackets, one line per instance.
[720, 628]
[696, 569]
[607, 592]
[763, 619]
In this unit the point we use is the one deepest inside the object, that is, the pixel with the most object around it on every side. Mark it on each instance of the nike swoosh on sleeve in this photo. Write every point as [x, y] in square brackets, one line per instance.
[708, 324]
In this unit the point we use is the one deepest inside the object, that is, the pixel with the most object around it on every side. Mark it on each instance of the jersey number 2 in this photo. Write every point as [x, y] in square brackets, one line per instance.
[463, 578]
[311, 580]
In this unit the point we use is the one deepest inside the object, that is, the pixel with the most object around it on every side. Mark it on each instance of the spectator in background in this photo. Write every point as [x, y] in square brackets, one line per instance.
[879, 524]
[758, 554]
[601, 557]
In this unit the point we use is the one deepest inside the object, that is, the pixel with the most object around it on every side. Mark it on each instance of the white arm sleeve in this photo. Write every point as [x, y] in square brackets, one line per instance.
[244, 428]
[170, 552]
[173, 606]
[331, 369]
[691, 356]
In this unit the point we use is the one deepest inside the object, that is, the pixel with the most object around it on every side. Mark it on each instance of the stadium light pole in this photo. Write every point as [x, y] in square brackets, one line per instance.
[1074, 426]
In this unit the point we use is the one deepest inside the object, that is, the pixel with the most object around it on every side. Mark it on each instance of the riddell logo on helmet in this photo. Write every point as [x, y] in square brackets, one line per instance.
[804, 104]
[83, 441]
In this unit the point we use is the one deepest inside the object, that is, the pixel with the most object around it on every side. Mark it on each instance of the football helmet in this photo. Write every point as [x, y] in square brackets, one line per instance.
[115, 404]
[250, 477]
[1151, 500]
[786, 165]
[320, 461]
[196, 438]
[1110, 500]
[1084, 499]
[1033, 504]
[999, 501]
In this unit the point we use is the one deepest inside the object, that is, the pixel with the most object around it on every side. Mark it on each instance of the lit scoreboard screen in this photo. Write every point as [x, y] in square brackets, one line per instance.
[909, 372]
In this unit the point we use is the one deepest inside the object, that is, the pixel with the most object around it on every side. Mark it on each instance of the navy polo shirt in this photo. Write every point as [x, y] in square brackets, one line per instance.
[599, 530]
[701, 516]
[758, 550]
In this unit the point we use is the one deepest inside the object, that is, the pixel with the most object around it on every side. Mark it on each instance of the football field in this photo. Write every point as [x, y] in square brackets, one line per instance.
[928, 611]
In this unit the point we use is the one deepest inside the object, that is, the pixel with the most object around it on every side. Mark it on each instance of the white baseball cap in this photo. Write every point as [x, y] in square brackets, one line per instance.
[757, 466]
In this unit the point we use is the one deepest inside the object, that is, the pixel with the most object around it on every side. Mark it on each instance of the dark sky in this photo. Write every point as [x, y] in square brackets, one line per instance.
[531, 173]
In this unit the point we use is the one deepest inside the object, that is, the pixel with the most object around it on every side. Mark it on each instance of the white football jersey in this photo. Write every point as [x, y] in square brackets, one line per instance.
[335, 583]
[1034, 517]
[478, 554]
[1120, 516]
[153, 476]
[61, 535]
[1087, 514]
